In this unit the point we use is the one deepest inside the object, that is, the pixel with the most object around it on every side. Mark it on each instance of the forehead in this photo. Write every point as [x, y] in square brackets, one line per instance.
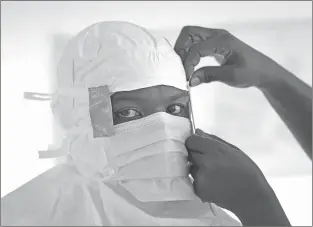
[161, 91]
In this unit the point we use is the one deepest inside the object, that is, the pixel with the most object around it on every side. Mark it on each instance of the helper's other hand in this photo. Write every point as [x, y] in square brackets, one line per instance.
[241, 65]
[223, 174]
[226, 176]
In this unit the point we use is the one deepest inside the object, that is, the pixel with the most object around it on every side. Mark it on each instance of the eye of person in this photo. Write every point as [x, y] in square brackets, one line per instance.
[175, 109]
[128, 113]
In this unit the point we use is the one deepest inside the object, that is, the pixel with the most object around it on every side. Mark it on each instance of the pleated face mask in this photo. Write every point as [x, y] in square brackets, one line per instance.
[151, 159]
[146, 156]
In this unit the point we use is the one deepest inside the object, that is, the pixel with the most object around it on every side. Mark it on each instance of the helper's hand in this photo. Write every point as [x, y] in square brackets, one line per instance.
[241, 65]
[226, 176]
[223, 174]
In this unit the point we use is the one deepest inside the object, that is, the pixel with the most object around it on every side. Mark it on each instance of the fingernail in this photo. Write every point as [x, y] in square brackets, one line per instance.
[199, 132]
[194, 81]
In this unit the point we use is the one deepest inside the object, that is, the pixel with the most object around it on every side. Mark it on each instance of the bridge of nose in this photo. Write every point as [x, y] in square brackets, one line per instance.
[157, 104]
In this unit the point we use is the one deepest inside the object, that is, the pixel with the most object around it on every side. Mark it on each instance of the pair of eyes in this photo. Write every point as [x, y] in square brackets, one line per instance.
[175, 109]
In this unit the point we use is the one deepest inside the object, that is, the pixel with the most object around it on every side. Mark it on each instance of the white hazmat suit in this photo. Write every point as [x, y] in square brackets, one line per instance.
[134, 173]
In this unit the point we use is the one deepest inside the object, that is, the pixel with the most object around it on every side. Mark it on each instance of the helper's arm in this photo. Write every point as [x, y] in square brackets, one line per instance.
[292, 100]
[243, 66]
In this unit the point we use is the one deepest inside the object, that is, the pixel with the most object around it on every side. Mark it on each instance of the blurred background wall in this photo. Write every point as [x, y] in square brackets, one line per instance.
[33, 35]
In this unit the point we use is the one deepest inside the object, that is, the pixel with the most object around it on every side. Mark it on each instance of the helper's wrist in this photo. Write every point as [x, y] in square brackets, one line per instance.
[252, 197]
[263, 210]
[272, 76]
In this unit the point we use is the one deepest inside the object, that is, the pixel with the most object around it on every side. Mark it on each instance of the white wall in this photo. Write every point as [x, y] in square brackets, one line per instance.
[282, 30]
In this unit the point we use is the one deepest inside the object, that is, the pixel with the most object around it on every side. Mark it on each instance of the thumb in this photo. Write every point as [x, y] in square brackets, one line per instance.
[200, 132]
[203, 134]
[228, 74]
[206, 135]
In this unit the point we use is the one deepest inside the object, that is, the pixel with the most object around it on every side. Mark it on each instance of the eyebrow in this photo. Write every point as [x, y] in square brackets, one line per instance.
[126, 96]
[179, 94]
[134, 96]
[183, 98]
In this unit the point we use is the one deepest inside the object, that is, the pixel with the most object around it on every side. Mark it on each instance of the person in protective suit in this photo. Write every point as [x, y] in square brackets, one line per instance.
[122, 100]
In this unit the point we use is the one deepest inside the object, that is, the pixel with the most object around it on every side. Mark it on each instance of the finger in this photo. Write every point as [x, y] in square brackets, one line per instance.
[182, 38]
[195, 38]
[190, 36]
[189, 70]
[223, 56]
[201, 145]
[228, 74]
[201, 133]
[203, 49]
[195, 31]
[194, 157]
[184, 51]
[202, 187]
[194, 58]
[194, 169]
[206, 135]
[183, 42]
[209, 47]
[212, 73]
[223, 141]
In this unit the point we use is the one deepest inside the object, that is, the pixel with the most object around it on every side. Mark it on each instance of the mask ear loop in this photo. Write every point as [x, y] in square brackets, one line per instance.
[194, 131]
[193, 128]
[191, 117]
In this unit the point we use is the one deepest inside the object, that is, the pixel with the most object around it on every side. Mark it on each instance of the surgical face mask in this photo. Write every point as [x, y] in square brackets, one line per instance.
[149, 157]
[156, 134]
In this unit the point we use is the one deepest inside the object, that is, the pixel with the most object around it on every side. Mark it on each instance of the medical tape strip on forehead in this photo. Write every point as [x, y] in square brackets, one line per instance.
[98, 98]
[100, 109]
[99, 105]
